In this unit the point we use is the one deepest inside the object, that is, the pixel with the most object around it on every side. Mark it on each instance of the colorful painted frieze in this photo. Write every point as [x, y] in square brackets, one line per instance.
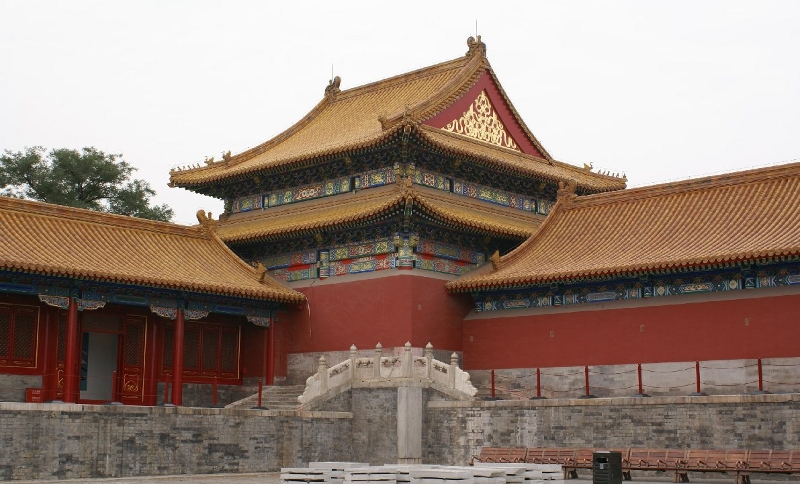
[433, 180]
[287, 260]
[308, 192]
[246, 204]
[351, 251]
[643, 288]
[362, 264]
[375, 178]
[445, 266]
[295, 273]
[449, 251]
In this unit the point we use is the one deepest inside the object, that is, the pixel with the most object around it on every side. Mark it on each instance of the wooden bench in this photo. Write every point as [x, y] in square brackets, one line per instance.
[770, 461]
[733, 461]
[581, 459]
[500, 454]
[549, 455]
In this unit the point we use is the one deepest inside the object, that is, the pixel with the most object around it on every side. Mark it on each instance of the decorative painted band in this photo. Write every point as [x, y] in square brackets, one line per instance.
[558, 295]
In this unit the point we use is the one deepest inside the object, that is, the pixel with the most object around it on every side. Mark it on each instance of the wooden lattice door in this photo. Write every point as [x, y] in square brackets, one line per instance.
[132, 383]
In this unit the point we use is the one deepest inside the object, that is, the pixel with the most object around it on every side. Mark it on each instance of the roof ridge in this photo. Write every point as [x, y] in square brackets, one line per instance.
[52, 210]
[456, 87]
[392, 81]
[707, 182]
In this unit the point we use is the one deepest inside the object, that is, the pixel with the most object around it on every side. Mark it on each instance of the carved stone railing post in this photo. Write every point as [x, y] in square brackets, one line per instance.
[377, 364]
[323, 374]
[428, 358]
[353, 356]
[408, 362]
[453, 368]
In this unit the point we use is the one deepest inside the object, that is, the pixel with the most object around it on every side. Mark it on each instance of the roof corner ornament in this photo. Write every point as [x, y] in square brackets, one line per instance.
[226, 157]
[476, 46]
[208, 160]
[261, 271]
[495, 260]
[588, 167]
[333, 87]
[566, 191]
[207, 221]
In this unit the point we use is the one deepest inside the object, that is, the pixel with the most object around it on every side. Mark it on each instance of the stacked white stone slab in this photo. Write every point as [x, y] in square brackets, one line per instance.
[335, 471]
[404, 470]
[508, 473]
[370, 475]
[298, 475]
[532, 472]
[442, 476]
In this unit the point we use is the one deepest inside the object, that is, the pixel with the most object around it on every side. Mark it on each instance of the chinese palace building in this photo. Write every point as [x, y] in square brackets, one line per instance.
[382, 194]
[418, 208]
[97, 307]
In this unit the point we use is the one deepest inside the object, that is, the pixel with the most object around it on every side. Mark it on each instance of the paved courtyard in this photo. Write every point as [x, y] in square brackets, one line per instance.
[274, 478]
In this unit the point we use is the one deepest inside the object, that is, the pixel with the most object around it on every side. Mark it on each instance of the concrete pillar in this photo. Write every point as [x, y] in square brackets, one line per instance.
[409, 425]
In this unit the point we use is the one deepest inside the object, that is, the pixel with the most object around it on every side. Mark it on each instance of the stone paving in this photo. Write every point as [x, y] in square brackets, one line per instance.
[274, 478]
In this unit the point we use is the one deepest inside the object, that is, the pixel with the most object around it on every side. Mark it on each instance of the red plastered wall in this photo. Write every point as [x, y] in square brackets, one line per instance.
[390, 310]
[767, 327]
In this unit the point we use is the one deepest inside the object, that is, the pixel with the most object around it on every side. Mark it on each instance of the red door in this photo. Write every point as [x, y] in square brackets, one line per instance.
[132, 378]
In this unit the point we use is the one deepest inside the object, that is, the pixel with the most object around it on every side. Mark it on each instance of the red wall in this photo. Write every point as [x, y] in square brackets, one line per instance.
[390, 310]
[766, 327]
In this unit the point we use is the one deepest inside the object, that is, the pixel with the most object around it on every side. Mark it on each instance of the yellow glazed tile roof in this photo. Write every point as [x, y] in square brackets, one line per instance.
[515, 161]
[61, 241]
[743, 216]
[362, 117]
[371, 204]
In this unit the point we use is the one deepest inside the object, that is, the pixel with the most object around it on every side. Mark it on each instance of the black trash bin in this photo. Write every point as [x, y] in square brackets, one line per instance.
[606, 467]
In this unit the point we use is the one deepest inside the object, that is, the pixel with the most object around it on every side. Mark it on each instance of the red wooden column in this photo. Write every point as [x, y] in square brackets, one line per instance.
[177, 360]
[271, 353]
[71, 353]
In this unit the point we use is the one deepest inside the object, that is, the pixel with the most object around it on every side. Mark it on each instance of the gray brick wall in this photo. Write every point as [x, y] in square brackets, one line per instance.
[74, 441]
[81, 441]
[12, 387]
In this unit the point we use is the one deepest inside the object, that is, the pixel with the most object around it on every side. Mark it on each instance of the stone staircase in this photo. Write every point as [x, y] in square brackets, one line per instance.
[273, 398]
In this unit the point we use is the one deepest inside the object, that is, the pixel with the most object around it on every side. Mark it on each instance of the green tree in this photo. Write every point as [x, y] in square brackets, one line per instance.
[88, 178]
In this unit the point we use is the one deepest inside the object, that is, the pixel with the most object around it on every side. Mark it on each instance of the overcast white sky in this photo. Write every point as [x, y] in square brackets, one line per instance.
[658, 90]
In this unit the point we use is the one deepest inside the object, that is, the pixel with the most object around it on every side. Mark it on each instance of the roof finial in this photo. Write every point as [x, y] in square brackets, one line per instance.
[566, 191]
[207, 221]
[476, 46]
[495, 260]
[333, 87]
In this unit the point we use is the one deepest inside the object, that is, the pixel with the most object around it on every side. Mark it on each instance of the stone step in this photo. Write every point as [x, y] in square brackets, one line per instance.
[272, 397]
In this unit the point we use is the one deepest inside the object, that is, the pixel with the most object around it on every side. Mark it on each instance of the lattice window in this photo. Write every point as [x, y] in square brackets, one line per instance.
[210, 350]
[134, 344]
[191, 349]
[229, 352]
[169, 346]
[102, 322]
[25, 334]
[210, 344]
[18, 342]
[62, 336]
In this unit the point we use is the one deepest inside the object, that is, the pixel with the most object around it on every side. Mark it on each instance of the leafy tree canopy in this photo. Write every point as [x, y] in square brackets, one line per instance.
[88, 178]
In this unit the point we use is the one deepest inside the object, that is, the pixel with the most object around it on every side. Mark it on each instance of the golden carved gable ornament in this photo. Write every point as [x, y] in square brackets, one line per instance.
[481, 122]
